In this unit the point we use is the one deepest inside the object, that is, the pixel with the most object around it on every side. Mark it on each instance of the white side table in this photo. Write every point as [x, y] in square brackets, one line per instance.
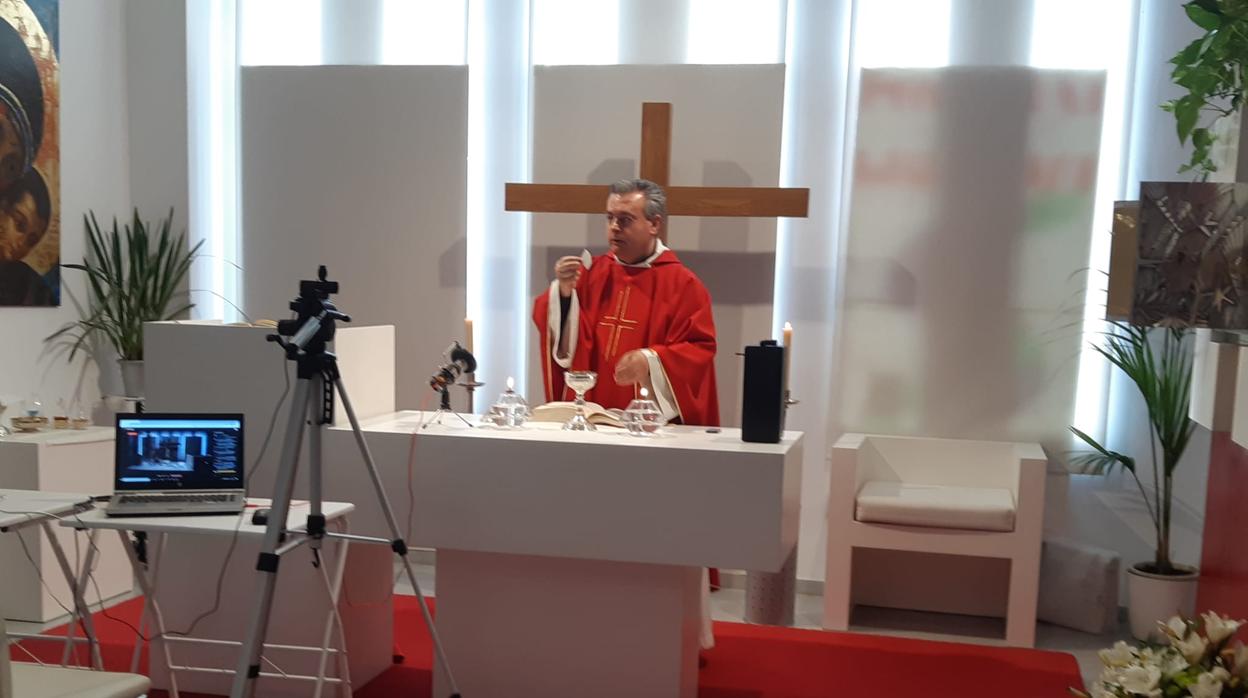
[22, 509]
[207, 658]
[56, 460]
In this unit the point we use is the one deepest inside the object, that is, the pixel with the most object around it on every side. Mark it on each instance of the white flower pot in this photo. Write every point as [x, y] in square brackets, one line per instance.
[1158, 597]
[132, 378]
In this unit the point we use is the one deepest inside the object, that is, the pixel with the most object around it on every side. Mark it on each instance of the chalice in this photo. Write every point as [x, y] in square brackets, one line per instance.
[580, 382]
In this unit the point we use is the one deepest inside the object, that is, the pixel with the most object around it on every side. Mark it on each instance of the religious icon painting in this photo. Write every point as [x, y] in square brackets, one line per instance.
[30, 191]
[1191, 270]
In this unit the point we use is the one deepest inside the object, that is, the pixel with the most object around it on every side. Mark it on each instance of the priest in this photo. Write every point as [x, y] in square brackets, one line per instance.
[636, 316]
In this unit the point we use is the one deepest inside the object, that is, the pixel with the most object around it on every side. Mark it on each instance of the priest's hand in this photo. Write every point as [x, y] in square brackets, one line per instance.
[632, 368]
[567, 273]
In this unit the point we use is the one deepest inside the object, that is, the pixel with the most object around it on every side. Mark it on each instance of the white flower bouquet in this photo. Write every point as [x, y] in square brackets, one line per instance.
[1198, 660]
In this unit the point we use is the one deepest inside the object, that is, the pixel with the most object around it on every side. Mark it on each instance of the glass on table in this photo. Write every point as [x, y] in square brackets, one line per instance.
[511, 410]
[643, 416]
[581, 382]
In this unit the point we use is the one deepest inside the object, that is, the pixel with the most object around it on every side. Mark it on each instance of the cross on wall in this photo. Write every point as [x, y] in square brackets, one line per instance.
[655, 165]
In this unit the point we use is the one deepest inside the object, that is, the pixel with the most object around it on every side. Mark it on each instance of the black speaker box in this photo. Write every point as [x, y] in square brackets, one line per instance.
[762, 407]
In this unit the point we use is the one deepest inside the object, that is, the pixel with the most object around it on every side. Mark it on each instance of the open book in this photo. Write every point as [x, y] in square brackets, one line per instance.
[563, 411]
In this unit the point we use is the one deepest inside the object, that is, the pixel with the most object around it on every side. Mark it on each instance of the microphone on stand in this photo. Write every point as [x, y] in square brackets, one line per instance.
[459, 362]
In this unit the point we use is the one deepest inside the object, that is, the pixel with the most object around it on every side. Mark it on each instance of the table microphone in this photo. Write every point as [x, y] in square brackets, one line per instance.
[460, 361]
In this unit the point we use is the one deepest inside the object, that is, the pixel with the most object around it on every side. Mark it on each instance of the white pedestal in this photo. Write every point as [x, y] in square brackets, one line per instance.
[56, 461]
[545, 626]
[568, 563]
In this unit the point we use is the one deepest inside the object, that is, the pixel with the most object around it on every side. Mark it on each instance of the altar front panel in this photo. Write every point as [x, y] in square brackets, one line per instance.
[688, 497]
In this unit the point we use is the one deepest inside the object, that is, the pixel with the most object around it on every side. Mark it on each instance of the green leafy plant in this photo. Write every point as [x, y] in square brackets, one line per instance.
[1211, 69]
[133, 275]
[1164, 378]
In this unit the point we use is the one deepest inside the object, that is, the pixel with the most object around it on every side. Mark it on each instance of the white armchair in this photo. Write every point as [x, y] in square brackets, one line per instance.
[30, 680]
[976, 498]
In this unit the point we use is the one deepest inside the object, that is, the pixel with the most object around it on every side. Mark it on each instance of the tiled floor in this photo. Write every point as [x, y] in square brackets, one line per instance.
[729, 605]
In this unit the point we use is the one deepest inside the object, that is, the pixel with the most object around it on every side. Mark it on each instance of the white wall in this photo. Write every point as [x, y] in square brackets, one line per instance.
[156, 94]
[363, 169]
[95, 167]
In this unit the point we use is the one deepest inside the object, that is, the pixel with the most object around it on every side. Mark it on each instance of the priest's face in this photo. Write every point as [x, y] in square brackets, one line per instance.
[630, 235]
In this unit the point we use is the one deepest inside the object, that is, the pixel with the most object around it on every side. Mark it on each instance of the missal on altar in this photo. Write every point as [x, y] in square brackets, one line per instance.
[560, 411]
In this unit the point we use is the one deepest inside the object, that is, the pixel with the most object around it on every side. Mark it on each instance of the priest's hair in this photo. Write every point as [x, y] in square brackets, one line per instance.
[656, 198]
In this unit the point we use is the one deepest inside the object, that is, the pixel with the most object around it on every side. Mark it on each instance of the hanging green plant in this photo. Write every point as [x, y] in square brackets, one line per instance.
[1211, 69]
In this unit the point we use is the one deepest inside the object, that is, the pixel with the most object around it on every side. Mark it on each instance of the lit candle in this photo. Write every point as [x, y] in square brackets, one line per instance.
[468, 334]
[511, 384]
[644, 393]
[788, 355]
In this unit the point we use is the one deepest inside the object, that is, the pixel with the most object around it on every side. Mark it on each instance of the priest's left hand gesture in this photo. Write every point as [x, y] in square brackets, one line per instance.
[632, 369]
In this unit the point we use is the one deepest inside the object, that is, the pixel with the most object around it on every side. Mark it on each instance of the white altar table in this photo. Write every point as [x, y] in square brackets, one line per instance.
[568, 563]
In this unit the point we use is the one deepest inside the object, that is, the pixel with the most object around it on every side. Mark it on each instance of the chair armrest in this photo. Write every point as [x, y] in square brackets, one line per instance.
[1030, 451]
[844, 478]
[850, 441]
[1033, 470]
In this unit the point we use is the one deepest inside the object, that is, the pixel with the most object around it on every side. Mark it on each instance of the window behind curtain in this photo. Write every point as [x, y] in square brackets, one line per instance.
[575, 32]
[424, 32]
[736, 31]
[279, 32]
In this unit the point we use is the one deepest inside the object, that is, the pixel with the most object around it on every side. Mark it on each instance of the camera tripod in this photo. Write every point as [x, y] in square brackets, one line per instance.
[318, 381]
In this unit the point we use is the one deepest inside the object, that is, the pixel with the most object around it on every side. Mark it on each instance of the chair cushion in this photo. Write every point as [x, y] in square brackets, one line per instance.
[37, 681]
[938, 506]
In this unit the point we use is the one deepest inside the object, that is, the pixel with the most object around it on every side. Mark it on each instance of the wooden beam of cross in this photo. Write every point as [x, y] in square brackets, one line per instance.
[656, 157]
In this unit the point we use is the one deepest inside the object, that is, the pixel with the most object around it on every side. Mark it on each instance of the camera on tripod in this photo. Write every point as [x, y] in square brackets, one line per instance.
[314, 324]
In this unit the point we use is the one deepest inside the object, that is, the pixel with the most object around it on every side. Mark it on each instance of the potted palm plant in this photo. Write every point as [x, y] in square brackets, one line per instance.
[1162, 371]
[133, 275]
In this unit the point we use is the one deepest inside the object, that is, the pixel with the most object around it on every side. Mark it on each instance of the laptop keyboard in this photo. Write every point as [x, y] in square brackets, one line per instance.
[176, 498]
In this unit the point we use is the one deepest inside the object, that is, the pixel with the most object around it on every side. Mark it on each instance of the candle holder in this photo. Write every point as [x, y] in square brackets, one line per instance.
[470, 385]
[788, 402]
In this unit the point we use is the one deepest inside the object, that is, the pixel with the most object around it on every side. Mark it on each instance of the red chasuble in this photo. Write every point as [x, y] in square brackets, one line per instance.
[663, 307]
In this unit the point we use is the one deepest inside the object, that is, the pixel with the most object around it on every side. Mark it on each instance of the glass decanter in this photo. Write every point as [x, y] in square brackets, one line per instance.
[643, 417]
[511, 410]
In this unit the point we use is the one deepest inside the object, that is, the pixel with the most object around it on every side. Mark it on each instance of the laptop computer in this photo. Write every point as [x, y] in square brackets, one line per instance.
[178, 464]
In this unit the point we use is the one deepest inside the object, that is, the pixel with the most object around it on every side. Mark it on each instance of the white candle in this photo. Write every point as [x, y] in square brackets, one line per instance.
[788, 355]
[468, 334]
[511, 384]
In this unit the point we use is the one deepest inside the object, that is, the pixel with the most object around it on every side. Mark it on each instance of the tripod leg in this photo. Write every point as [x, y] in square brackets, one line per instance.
[248, 669]
[397, 545]
[316, 519]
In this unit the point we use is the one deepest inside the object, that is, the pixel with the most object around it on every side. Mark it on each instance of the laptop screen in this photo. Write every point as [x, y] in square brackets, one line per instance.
[179, 451]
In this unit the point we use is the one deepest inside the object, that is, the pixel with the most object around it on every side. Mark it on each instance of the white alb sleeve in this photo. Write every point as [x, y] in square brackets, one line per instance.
[663, 394]
[553, 314]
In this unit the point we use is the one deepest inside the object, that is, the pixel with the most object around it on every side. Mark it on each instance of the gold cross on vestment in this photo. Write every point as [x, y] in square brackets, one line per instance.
[618, 324]
[656, 156]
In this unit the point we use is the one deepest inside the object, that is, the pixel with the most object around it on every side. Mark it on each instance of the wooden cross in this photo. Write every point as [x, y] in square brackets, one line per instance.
[656, 156]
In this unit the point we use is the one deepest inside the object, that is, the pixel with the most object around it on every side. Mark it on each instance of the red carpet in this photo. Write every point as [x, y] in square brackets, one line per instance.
[748, 661]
